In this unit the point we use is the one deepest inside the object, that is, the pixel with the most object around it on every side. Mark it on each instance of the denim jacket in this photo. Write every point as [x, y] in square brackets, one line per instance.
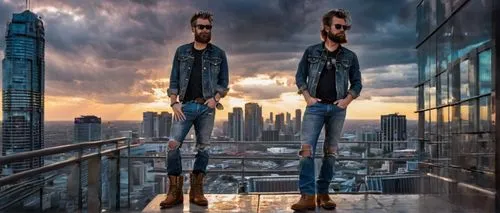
[347, 71]
[214, 78]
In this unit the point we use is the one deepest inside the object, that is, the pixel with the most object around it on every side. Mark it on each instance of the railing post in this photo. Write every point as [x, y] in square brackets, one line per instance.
[368, 145]
[95, 186]
[80, 190]
[242, 187]
[114, 180]
[41, 196]
[117, 184]
[128, 172]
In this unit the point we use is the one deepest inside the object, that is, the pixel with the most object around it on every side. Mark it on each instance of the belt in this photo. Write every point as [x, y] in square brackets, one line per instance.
[219, 106]
[200, 100]
[327, 102]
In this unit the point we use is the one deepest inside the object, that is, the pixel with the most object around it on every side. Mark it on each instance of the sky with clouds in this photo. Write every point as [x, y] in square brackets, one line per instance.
[112, 58]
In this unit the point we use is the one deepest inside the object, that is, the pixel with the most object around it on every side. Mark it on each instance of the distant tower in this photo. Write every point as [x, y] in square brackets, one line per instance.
[23, 88]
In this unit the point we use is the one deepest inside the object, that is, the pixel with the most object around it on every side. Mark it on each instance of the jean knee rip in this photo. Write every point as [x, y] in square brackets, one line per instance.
[172, 145]
[305, 151]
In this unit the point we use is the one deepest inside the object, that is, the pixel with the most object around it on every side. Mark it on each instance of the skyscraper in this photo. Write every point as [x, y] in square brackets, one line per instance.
[87, 128]
[23, 88]
[230, 121]
[237, 127]
[298, 121]
[164, 124]
[280, 122]
[393, 127]
[148, 124]
[458, 73]
[288, 125]
[253, 122]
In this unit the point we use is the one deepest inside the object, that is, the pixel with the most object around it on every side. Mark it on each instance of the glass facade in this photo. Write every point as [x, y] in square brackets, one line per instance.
[455, 42]
[23, 88]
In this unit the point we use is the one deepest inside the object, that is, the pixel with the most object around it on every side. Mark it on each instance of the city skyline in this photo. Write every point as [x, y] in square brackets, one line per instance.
[92, 72]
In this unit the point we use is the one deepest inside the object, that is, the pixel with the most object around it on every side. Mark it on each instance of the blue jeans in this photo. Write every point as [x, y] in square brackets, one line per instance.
[315, 117]
[202, 117]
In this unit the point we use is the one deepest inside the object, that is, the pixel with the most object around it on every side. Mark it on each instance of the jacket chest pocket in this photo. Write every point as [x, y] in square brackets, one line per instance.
[185, 64]
[313, 65]
[214, 65]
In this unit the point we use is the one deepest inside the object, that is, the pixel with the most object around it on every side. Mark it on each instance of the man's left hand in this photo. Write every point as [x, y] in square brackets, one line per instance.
[211, 103]
[342, 103]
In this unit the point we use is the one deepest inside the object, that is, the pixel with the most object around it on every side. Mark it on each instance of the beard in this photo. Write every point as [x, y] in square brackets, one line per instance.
[338, 38]
[202, 37]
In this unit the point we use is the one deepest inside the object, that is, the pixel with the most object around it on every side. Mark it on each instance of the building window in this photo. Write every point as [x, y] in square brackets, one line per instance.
[484, 68]
[427, 90]
[420, 97]
[485, 114]
[443, 89]
[464, 80]
[454, 84]
[443, 43]
[471, 27]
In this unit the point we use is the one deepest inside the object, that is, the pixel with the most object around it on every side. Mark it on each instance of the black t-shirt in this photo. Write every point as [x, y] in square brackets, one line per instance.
[326, 90]
[194, 89]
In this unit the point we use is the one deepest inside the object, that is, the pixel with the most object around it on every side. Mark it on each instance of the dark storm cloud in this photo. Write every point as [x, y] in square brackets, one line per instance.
[122, 37]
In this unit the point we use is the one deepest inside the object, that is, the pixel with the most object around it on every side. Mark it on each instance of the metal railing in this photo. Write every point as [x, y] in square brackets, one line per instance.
[242, 154]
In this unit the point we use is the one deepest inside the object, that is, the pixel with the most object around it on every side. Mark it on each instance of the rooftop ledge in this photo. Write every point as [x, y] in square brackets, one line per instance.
[278, 203]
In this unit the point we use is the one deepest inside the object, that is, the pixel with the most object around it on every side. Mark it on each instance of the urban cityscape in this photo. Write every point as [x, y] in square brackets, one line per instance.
[448, 150]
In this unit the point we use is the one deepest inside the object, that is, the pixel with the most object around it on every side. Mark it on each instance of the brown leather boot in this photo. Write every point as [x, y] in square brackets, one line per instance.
[325, 201]
[196, 192]
[306, 202]
[174, 195]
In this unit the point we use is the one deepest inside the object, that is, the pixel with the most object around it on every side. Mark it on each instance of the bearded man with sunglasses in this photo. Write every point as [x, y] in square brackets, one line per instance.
[198, 80]
[328, 77]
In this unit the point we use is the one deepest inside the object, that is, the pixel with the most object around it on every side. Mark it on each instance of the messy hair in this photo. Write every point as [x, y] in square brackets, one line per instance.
[202, 15]
[328, 18]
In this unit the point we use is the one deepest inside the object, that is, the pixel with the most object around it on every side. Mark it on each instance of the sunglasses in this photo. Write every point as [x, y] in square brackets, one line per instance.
[201, 27]
[330, 62]
[339, 26]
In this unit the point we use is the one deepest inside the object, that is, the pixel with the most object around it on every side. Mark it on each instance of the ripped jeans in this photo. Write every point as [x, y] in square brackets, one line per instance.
[315, 117]
[202, 117]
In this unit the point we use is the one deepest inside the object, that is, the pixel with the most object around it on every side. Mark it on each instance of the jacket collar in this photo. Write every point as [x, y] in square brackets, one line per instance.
[191, 46]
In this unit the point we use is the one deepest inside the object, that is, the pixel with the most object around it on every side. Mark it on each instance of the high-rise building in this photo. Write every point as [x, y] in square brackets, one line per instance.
[87, 128]
[280, 122]
[238, 124]
[148, 124]
[458, 65]
[23, 88]
[393, 128]
[138, 173]
[230, 121]
[288, 125]
[164, 124]
[270, 135]
[253, 122]
[298, 121]
[225, 128]
[271, 117]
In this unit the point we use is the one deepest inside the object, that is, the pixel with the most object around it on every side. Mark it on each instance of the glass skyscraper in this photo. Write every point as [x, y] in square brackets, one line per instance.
[23, 88]
[253, 122]
[455, 48]
[87, 128]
